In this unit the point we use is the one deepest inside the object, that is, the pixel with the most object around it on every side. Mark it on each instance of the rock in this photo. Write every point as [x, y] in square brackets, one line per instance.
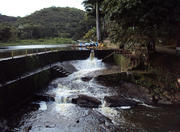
[68, 67]
[86, 101]
[177, 96]
[133, 91]
[114, 80]
[27, 129]
[86, 79]
[45, 98]
[164, 101]
[118, 101]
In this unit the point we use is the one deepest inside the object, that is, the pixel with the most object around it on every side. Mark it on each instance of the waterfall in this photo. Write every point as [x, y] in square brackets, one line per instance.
[90, 64]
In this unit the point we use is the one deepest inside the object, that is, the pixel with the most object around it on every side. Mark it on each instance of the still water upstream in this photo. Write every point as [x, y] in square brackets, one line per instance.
[63, 116]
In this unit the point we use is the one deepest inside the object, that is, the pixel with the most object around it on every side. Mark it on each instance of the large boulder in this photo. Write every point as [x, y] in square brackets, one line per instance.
[68, 66]
[86, 79]
[114, 80]
[118, 101]
[132, 90]
[86, 101]
[45, 98]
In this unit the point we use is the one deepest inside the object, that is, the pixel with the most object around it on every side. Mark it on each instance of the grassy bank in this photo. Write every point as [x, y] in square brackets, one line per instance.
[38, 41]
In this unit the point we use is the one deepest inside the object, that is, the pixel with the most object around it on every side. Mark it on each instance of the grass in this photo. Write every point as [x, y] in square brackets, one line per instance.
[38, 41]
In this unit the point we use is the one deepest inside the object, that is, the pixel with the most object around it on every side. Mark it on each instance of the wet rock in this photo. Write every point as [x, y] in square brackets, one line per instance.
[27, 129]
[69, 67]
[118, 101]
[164, 101]
[86, 79]
[48, 125]
[3, 126]
[45, 98]
[104, 122]
[177, 96]
[53, 85]
[123, 85]
[169, 99]
[86, 101]
[114, 79]
[133, 91]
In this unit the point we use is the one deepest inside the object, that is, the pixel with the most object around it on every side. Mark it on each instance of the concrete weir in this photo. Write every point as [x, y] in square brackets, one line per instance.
[22, 76]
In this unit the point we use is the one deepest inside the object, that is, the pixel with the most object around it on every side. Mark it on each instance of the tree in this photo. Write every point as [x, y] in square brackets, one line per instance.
[52, 22]
[7, 33]
[90, 6]
[91, 35]
[143, 22]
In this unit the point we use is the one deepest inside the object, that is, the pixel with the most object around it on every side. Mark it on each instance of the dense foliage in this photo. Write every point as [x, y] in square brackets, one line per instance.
[7, 33]
[47, 23]
[142, 21]
[91, 35]
[51, 22]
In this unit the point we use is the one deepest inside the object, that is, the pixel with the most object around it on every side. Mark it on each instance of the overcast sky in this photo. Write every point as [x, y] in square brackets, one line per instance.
[26, 7]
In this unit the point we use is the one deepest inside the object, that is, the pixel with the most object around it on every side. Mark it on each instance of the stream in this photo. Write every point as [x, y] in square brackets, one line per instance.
[60, 115]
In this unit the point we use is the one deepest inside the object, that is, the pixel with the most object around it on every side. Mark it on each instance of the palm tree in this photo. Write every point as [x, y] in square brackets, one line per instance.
[90, 6]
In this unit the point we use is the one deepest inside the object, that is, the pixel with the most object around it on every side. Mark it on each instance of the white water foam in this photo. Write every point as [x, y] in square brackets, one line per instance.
[43, 106]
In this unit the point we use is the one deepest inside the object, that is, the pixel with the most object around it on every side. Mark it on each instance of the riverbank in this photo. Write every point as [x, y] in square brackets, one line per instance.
[38, 41]
[158, 78]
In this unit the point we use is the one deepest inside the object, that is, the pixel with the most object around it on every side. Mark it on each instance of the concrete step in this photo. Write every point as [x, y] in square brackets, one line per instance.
[61, 71]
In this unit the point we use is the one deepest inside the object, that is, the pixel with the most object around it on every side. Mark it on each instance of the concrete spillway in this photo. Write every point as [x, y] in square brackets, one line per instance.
[22, 76]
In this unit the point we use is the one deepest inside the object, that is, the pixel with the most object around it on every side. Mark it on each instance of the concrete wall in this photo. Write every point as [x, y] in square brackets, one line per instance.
[14, 94]
[15, 68]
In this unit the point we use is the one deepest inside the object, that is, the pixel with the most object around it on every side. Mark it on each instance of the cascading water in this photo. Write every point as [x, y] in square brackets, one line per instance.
[89, 64]
[63, 91]
[63, 116]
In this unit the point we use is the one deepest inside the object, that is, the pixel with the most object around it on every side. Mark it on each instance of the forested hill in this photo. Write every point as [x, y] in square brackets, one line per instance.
[53, 22]
[47, 23]
[7, 19]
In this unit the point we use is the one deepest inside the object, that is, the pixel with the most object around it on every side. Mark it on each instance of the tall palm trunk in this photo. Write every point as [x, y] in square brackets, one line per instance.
[98, 31]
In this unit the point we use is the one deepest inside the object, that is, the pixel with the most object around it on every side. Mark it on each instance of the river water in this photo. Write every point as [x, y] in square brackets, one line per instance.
[63, 116]
[7, 52]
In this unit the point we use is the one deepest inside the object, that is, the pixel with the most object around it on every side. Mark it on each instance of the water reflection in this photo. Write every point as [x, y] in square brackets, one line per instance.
[12, 51]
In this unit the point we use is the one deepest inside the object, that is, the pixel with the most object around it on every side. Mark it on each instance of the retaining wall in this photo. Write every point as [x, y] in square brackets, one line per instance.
[16, 92]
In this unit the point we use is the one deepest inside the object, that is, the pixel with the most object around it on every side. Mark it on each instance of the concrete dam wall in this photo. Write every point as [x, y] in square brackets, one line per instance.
[21, 77]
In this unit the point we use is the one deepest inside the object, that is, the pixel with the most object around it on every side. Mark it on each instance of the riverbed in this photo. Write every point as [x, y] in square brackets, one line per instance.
[61, 115]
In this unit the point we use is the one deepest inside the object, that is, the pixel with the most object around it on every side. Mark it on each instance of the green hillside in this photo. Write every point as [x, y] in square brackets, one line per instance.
[7, 19]
[53, 22]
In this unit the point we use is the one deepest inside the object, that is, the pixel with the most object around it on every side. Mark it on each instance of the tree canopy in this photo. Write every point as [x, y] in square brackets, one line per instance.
[137, 20]
[142, 22]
